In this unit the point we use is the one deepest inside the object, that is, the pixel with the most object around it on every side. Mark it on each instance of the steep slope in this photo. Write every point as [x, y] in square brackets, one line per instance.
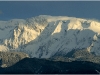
[45, 36]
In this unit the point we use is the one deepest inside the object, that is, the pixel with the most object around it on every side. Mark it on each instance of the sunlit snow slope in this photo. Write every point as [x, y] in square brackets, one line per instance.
[44, 36]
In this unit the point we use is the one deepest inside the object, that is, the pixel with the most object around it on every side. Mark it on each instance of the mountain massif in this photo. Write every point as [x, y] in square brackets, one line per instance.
[47, 36]
[63, 44]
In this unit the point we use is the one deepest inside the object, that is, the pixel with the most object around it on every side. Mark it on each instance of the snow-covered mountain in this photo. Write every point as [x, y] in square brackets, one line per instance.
[44, 36]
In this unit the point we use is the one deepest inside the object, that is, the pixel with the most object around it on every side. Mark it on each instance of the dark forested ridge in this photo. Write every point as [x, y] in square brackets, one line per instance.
[44, 66]
[76, 62]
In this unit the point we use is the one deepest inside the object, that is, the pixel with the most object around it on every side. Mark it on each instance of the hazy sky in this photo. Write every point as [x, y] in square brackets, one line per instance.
[28, 9]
